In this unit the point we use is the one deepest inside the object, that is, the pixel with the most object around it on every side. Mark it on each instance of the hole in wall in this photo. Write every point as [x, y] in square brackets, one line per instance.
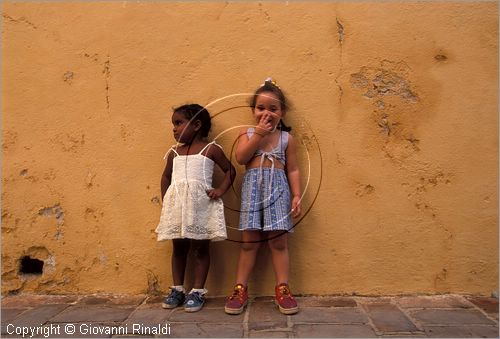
[29, 265]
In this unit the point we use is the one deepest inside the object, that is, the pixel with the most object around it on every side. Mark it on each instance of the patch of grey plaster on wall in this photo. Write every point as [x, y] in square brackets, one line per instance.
[22, 20]
[50, 264]
[58, 213]
[103, 258]
[55, 210]
[388, 79]
[396, 107]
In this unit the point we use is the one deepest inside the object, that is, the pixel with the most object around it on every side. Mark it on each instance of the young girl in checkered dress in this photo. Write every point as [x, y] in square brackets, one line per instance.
[270, 195]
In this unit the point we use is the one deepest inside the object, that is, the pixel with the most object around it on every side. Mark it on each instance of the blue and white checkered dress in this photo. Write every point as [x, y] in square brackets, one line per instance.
[265, 194]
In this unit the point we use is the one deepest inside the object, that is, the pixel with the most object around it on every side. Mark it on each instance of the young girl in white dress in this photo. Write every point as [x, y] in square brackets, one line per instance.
[193, 212]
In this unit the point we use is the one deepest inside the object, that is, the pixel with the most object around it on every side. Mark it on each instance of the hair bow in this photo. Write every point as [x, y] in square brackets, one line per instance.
[269, 79]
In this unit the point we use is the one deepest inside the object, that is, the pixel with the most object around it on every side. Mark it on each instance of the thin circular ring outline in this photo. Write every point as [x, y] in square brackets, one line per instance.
[308, 158]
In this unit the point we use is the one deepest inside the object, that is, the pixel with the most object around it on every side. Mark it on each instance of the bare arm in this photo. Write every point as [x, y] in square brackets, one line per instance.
[293, 175]
[229, 173]
[246, 147]
[166, 177]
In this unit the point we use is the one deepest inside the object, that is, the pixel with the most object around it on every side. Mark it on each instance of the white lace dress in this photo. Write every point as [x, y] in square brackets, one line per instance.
[187, 210]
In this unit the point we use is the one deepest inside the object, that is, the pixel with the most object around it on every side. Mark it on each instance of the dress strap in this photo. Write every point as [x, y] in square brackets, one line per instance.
[170, 150]
[210, 143]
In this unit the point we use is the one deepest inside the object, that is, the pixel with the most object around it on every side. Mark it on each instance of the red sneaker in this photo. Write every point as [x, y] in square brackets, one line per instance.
[237, 301]
[284, 299]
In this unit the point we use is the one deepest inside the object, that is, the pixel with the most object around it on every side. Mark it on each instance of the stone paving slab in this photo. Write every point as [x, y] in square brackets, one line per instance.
[96, 314]
[113, 300]
[222, 330]
[461, 331]
[445, 301]
[350, 315]
[31, 300]
[202, 330]
[388, 318]
[333, 331]
[38, 316]
[147, 317]
[326, 302]
[206, 316]
[489, 305]
[9, 314]
[451, 317]
[264, 314]
[270, 334]
[404, 335]
[217, 302]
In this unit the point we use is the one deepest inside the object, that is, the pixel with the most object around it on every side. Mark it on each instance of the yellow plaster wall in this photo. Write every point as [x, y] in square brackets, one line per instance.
[395, 105]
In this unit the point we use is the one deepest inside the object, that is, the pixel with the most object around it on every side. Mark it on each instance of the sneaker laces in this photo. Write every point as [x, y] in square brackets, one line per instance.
[284, 290]
[195, 296]
[237, 292]
[173, 295]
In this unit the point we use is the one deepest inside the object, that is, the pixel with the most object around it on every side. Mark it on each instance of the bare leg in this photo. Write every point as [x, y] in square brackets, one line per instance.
[201, 252]
[179, 259]
[279, 253]
[248, 253]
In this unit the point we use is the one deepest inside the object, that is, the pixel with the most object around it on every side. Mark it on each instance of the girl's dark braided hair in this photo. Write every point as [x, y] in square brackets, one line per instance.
[196, 112]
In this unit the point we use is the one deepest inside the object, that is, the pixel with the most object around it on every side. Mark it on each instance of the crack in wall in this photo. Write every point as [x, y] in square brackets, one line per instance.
[340, 31]
[107, 74]
[20, 20]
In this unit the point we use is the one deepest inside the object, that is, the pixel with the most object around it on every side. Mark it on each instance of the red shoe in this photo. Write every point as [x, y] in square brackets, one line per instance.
[284, 299]
[237, 301]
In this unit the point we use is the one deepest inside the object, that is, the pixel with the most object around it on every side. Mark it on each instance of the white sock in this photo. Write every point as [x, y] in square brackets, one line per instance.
[179, 288]
[199, 290]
